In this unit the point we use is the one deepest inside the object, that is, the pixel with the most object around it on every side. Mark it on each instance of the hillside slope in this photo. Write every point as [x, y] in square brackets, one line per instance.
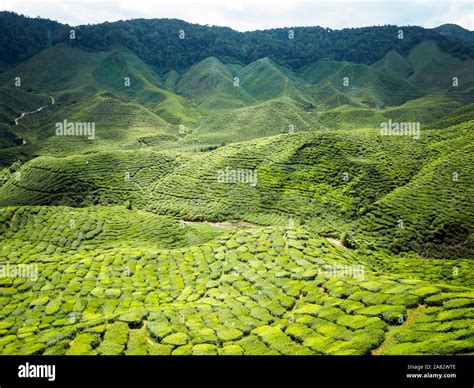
[219, 297]
[325, 179]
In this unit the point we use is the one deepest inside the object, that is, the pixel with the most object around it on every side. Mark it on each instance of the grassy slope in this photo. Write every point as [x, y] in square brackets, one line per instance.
[96, 295]
[366, 86]
[394, 63]
[210, 84]
[299, 174]
[138, 280]
[90, 88]
[268, 118]
[434, 69]
[436, 205]
[13, 101]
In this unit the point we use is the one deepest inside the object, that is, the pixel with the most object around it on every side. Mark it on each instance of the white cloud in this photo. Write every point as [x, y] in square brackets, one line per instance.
[247, 15]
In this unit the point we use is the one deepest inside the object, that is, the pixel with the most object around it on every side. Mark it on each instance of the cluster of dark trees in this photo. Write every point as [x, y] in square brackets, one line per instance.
[22, 37]
[456, 31]
[174, 44]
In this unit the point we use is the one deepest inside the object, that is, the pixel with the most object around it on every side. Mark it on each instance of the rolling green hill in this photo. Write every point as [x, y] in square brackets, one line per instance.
[265, 80]
[210, 108]
[272, 117]
[211, 84]
[58, 69]
[71, 74]
[363, 85]
[300, 174]
[254, 291]
[394, 63]
[15, 100]
[236, 193]
[434, 69]
[442, 195]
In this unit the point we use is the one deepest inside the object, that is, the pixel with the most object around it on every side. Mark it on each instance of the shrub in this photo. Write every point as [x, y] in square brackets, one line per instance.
[205, 335]
[114, 340]
[133, 319]
[137, 343]
[274, 338]
[390, 314]
[356, 322]
[53, 307]
[162, 350]
[252, 345]
[311, 309]
[319, 343]
[298, 331]
[185, 350]
[348, 240]
[176, 339]
[229, 335]
[83, 344]
[159, 330]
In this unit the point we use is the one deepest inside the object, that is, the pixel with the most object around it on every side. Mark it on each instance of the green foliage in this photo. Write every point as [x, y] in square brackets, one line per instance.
[176, 339]
[155, 39]
[83, 344]
[142, 249]
[347, 239]
[115, 339]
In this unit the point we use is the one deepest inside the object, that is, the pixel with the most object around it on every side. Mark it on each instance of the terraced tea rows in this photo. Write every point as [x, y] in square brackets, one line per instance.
[64, 229]
[253, 291]
[367, 183]
[435, 209]
[447, 270]
[238, 208]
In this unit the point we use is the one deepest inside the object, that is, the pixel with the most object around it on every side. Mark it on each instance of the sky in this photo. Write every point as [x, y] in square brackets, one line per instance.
[248, 15]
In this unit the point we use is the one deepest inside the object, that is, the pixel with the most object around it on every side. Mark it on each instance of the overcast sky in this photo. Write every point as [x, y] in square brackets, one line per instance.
[245, 15]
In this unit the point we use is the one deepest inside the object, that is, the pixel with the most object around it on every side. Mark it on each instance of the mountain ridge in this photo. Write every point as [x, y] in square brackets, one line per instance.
[156, 37]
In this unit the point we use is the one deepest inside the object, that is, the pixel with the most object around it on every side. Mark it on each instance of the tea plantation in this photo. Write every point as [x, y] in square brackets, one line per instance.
[238, 205]
[112, 281]
[401, 194]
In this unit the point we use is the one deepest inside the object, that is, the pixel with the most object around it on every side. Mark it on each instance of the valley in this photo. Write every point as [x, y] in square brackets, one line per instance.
[250, 201]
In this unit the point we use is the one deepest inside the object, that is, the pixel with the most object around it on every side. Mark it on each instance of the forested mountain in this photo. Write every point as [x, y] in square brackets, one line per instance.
[157, 41]
[296, 191]
[457, 32]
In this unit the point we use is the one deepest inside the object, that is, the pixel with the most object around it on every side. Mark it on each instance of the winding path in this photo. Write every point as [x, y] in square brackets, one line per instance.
[37, 110]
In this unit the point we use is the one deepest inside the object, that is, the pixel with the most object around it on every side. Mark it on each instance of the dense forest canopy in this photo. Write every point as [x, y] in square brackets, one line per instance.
[158, 41]
[456, 31]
